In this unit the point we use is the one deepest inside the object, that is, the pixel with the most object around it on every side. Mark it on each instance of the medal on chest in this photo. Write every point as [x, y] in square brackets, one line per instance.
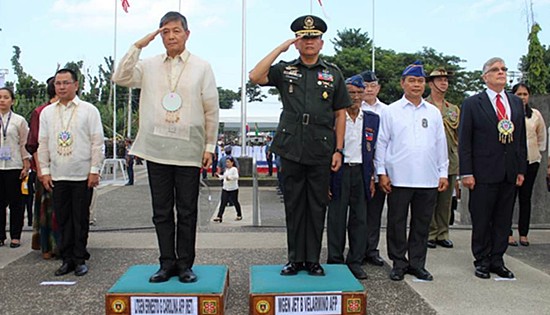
[505, 131]
[65, 137]
[171, 103]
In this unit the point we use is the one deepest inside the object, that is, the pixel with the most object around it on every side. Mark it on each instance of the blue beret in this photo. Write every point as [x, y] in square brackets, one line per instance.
[356, 80]
[369, 76]
[415, 69]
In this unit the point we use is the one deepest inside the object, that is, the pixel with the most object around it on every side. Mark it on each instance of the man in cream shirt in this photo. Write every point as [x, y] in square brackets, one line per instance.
[178, 129]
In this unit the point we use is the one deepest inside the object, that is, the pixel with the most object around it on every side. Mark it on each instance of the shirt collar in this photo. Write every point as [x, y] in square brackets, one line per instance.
[359, 117]
[181, 57]
[73, 102]
[493, 94]
[405, 102]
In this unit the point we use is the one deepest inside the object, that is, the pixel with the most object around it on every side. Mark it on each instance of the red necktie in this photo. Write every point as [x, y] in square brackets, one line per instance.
[501, 111]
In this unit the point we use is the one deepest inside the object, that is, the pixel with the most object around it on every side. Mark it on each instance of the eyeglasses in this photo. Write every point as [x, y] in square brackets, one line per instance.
[60, 83]
[497, 69]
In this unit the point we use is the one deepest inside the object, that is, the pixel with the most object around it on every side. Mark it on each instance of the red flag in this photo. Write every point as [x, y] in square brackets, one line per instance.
[125, 5]
[323, 8]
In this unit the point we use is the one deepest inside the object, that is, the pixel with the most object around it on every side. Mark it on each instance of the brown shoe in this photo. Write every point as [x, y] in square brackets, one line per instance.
[47, 255]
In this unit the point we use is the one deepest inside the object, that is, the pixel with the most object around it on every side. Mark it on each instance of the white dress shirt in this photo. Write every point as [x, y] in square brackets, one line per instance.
[411, 147]
[87, 146]
[353, 138]
[184, 142]
[14, 140]
[535, 129]
[378, 107]
[493, 97]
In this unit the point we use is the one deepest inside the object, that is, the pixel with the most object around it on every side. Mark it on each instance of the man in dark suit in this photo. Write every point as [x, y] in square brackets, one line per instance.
[492, 155]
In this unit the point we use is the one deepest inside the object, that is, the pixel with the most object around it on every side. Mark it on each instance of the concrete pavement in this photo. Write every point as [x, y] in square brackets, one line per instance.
[124, 236]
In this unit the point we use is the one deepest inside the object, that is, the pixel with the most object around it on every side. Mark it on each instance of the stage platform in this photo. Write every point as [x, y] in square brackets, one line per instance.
[133, 294]
[338, 292]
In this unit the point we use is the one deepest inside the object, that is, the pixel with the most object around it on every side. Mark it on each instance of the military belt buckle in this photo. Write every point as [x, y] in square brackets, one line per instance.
[305, 119]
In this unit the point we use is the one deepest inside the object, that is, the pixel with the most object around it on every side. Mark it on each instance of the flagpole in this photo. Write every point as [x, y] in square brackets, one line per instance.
[243, 81]
[310, 6]
[179, 8]
[372, 42]
[113, 85]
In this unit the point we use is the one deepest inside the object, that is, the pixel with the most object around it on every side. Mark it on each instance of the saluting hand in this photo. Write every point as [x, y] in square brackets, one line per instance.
[147, 39]
[284, 46]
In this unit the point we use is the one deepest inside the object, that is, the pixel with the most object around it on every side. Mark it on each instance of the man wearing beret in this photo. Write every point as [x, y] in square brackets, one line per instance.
[375, 205]
[438, 81]
[411, 162]
[309, 138]
[353, 184]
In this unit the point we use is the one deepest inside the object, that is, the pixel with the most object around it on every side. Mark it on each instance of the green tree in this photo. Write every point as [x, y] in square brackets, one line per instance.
[227, 97]
[537, 63]
[253, 92]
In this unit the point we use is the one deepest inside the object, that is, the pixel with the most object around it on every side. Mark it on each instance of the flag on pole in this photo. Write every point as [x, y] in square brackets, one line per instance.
[126, 5]
[323, 8]
[256, 129]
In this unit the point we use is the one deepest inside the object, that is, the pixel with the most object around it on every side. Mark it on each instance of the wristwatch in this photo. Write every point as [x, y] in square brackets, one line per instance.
[341, 151]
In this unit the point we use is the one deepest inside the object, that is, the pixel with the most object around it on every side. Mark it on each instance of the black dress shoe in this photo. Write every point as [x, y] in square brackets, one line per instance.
[374, 260]
[162, 275]
[65, 268]
[187, 276]
[524, 243]
[291, 269]
[80, 270]
[482, 272]
[431, 244]
[445, 243]
[502, 272]
[358, 272]
[315, 269]
[397, 274]
[420, 273]
[513, 243]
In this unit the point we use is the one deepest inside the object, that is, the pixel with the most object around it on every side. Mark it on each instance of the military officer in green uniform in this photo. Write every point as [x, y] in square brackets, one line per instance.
[309, 138]
[438, 80]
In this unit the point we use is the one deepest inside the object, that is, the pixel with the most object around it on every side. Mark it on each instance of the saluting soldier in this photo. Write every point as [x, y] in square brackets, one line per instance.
[309, 138]
[438, 81]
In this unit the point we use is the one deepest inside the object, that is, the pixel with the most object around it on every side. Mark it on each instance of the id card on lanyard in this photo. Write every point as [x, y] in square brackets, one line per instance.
[5, 150]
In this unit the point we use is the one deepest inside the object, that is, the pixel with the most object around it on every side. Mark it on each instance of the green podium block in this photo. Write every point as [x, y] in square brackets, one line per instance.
[338, 292]
[134, 294]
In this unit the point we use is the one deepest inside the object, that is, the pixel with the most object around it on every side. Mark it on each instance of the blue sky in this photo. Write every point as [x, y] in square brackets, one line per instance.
[57, 31]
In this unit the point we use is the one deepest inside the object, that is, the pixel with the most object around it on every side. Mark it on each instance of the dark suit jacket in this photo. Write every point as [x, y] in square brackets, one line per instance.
[480, 152]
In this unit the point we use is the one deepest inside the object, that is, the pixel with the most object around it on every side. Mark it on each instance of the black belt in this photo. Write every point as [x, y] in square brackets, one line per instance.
[307, 119]
[352, 164]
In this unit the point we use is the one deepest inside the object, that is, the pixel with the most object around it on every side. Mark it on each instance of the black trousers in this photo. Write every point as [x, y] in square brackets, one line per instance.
[10, 195]
[269, 161]
[29, 198]
[352, 197]
[375, 206]
[491, 207]
[525, 192]
[422, 203]
[71, 203]
[179, 185]
[230, 196]
[306, 198]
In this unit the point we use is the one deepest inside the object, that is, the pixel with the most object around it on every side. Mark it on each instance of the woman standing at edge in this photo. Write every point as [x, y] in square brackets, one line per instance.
[14, 166]
[536, 143]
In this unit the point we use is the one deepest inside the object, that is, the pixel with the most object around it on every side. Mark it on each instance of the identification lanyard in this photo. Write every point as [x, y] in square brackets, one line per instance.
[5, 126]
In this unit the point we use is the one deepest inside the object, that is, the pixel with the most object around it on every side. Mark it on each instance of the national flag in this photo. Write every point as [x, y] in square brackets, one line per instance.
[126, 5]
[256, 129]
[323, 8]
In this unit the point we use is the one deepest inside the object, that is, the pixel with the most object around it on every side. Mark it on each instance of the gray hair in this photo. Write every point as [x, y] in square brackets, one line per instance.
[487, 65]
[174, 16]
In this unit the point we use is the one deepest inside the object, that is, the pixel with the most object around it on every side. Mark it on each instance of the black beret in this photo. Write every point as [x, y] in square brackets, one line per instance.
[309, 25]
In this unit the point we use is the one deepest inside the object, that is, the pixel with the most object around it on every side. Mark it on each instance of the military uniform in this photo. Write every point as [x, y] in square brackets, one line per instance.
[305, 140]
[439, 227]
